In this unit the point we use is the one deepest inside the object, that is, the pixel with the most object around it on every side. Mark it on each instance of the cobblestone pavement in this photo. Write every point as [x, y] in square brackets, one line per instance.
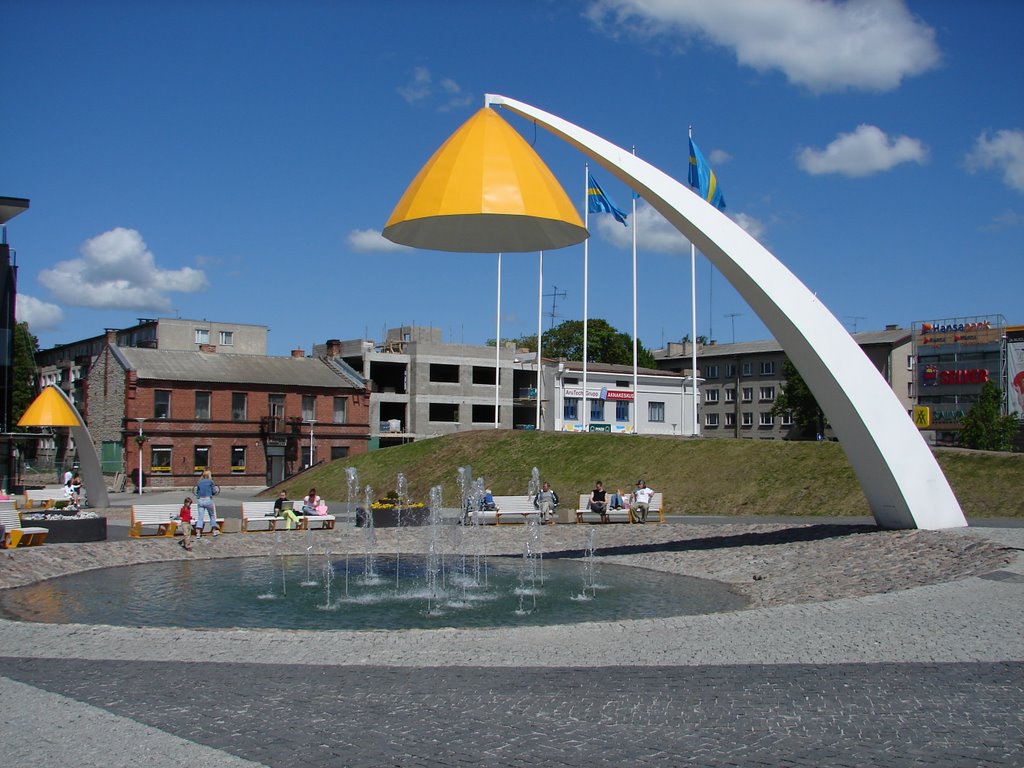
[860, 647]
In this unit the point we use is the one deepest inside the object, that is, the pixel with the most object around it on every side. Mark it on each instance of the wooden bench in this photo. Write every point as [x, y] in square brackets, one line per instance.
[158, 520]
[45, 496]
[510, 509]
[17, 536]
[258, 516]
[584, 515]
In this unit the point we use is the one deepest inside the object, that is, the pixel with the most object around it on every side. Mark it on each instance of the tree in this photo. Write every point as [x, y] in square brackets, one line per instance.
[985, 428]
[23, 371]
[605, 344]
[796, 398]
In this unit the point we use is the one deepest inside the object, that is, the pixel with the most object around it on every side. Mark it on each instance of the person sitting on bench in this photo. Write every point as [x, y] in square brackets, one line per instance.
[598, 501]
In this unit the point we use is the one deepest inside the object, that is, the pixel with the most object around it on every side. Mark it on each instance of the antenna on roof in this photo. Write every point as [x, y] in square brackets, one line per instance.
[555, 294]
[855, 318]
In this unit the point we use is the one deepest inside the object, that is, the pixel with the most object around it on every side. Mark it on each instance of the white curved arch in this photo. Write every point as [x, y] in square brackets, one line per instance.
[899, 475]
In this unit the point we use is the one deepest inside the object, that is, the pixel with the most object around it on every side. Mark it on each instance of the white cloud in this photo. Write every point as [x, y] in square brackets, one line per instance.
[418, 88]
[752, 226]
[866, 151]
[118, 271]
[372, 241]
[824, 45]
[40, 315]
[719, 157]
[655, 234]
[421, 90]
[1005, 152]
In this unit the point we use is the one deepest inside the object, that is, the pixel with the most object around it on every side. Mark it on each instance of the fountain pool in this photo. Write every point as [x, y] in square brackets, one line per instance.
[277, 591]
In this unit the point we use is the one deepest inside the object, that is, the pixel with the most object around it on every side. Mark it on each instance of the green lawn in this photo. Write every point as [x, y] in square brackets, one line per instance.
[698, 477]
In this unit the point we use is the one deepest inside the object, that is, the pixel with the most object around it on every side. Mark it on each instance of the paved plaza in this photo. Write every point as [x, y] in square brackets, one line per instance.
[861, 647]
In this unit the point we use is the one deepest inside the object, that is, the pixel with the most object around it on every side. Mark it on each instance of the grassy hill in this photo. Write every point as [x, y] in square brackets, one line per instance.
[700, 477]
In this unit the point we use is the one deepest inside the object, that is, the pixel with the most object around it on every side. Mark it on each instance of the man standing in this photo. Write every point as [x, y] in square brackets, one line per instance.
[641, 502]
[546, 501]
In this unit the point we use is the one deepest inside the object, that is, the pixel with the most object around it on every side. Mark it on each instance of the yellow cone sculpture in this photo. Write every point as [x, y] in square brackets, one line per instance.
[485, 191]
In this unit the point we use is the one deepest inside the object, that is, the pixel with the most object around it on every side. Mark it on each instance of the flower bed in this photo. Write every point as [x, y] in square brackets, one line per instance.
[69, 529]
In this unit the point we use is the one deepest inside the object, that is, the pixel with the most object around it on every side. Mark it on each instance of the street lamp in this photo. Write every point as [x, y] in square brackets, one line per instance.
[140, 440]
[311, 422]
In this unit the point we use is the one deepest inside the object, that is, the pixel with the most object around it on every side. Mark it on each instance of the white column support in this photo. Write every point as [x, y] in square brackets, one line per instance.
[904, 486]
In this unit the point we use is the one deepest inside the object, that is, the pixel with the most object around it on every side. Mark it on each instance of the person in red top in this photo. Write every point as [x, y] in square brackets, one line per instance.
[185, 516]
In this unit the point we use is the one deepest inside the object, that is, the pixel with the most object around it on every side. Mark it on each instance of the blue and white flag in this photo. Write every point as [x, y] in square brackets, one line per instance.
[599, 202]
[703, 179]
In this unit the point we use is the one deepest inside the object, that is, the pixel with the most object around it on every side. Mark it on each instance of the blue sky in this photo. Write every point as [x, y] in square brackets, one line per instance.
[236, 161]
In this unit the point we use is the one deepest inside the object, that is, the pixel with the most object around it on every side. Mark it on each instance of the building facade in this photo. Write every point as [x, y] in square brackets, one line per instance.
[249, 419]
[661, 403]
[739, 383]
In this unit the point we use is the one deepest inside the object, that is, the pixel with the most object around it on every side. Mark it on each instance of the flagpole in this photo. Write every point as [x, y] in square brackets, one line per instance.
[693, 325]
[497, 345]
[636, 394]
[540, 299]
[586, 278]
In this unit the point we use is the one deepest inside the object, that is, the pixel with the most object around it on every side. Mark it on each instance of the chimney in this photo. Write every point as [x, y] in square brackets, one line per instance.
[298, 353]
[111, 336]
[333, 347]
[892, 327]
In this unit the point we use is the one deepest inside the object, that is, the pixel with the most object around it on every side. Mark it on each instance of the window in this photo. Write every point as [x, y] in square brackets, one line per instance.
[162, 404]
[444, 374]
[622, 410]
[656, 412]
[202, 335]
[767, 394]
[309, 407]
[766, 419]
[597, 410]
[730, 419]
[730, 371]
[710, 419]
[748, 419]
[711, 396]
[768, 369]
[443, 412]
[238, 402]
[227, 338]
[483, 375]
[339, 452]
[712, 372]
[787, 419]
[275, 405]
[340, 410]
[160, 459]
[748, 394]
[203, 406]
[483, 414]
[201, 458]
[237, 459]
[570, 408]
[730, 395]
[748, 369]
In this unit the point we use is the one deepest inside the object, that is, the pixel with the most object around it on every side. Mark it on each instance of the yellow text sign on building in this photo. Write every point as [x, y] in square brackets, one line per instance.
[922, 416]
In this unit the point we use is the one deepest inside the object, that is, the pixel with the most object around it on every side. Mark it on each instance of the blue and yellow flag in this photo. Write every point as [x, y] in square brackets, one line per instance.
[599, 202]
[702, 178]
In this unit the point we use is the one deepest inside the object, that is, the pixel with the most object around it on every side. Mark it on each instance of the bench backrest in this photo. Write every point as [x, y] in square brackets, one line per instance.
[9, 519]
[514, 503]
[154, 513]
[259, 508]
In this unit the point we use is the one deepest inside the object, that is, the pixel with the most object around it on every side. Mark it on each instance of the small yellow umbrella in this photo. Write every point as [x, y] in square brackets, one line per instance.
[485, 191]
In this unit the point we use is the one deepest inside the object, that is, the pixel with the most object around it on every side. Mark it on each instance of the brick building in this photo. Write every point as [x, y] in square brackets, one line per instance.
[250, 419]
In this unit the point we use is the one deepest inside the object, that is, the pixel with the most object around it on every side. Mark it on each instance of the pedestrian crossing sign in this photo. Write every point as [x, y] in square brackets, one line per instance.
[922, 416]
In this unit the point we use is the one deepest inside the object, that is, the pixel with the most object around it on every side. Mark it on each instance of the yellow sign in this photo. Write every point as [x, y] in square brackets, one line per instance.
[922, 416]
